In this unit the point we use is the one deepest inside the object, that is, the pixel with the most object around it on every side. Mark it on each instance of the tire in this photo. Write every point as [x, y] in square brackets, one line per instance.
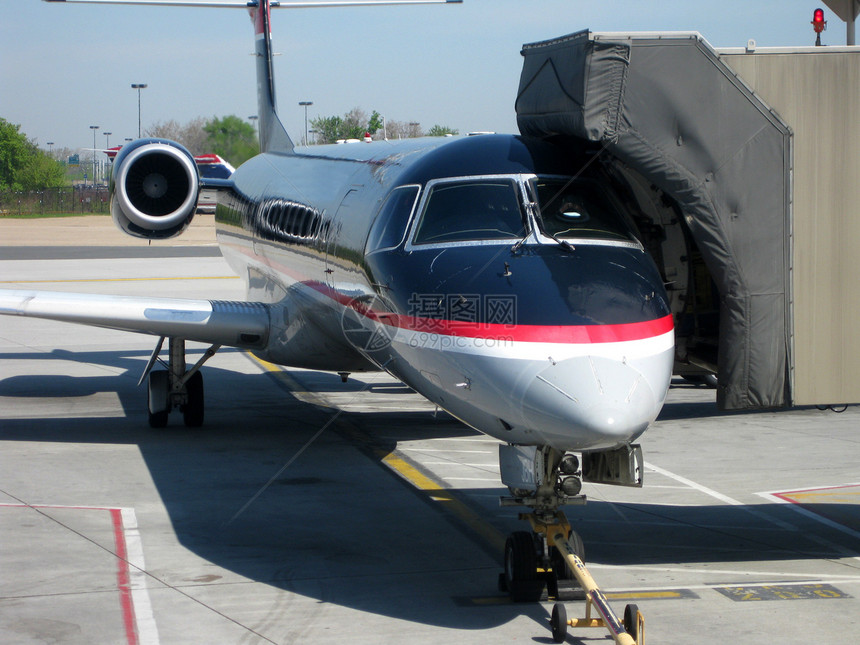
[156, 395]
[558, 622]
[521, 568]
[559, 564]
[192, 412]
[631, 621]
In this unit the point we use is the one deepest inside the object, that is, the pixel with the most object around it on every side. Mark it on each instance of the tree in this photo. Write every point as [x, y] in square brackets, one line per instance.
[41, 171]
[23, 166]
[376, 123]
[355, 124]
[192, 135]
[403, 129]
[232, 138]
[351, 125]
[328, 128]
[441, 131]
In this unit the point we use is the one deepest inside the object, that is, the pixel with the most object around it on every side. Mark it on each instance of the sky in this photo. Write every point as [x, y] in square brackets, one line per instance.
[65, 67]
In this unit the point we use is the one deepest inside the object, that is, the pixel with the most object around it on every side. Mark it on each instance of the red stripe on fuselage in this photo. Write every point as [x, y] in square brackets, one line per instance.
[572, 334]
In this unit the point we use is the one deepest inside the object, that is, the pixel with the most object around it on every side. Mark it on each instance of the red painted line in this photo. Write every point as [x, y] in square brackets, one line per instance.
[123, 575]
[785, 493]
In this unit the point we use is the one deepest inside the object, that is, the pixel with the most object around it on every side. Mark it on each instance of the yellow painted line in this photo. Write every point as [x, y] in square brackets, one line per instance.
[414, 476]
[401, 465]
[618, 595]
[217, 277]
[642, 595]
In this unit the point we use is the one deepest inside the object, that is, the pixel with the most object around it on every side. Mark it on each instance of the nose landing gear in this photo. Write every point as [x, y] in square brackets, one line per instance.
[544, 479]
[526, 575]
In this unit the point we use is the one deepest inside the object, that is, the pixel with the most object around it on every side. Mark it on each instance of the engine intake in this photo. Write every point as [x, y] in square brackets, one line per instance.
[154, 188]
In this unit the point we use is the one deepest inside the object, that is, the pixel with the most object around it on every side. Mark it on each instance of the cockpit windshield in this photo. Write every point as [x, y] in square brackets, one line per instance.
[471, 210]
[571, 208]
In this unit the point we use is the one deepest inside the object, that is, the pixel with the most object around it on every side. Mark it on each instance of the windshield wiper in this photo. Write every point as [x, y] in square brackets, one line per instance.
[519, 243]
[567, 246]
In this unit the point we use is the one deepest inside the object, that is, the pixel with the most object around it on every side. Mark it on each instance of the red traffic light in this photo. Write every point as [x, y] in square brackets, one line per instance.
[819, 24]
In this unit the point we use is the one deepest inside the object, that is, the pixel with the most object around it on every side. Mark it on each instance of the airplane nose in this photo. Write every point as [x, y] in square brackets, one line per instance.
[590, 402]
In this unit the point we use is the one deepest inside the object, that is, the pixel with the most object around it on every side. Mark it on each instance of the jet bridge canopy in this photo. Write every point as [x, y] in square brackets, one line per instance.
[667, 108]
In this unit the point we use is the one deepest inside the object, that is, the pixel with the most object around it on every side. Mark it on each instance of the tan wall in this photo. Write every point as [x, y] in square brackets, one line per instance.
[818, 96]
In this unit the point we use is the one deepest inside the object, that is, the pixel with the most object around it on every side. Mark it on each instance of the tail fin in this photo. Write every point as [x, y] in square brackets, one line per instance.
[273, 135]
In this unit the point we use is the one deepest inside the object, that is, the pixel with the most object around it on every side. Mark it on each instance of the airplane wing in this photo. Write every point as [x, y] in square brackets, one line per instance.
[218, 322]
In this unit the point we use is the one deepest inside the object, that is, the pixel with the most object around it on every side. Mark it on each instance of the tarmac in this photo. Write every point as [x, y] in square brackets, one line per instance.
[308, 510]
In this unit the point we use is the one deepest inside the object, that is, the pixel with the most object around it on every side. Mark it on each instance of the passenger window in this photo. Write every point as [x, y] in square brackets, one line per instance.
[471, 210]
[390, 225]
[578, 208]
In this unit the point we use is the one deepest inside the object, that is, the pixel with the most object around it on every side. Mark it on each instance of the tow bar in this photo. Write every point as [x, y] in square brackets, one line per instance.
[630, 631]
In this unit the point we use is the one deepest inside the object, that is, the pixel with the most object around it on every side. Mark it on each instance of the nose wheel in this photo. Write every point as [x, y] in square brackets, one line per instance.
[553, 552]
[521, 578]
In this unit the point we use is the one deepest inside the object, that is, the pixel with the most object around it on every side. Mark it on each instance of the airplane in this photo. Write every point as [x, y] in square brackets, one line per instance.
[499, 276]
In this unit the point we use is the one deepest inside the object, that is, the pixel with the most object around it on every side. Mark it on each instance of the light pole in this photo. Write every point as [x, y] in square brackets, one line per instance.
[107, 138]
[138, 87]
[94, 128]
[253, 119]
[305, 104]
[51, 149]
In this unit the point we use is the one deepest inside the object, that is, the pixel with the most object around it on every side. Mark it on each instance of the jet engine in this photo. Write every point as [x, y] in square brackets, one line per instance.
[154, 187]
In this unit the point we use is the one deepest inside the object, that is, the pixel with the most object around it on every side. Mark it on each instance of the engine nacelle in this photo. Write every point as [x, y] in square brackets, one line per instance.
[154, 188]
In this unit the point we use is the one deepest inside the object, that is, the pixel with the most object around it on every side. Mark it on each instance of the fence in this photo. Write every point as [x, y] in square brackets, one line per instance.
[82, 200]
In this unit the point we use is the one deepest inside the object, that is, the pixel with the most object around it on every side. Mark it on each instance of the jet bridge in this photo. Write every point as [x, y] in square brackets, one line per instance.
[742, 167]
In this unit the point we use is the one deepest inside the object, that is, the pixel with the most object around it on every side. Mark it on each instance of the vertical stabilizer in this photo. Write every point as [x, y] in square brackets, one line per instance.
[273, 135]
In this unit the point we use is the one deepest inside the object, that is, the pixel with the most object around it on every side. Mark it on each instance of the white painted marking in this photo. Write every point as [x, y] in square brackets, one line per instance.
[146, 629]
[821, 520]
[723, 498]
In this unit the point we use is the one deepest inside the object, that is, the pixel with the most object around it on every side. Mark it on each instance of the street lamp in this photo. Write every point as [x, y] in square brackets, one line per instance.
[305, 104]
[107, 138]
[51, 148]
[138, 87]
[94, 128]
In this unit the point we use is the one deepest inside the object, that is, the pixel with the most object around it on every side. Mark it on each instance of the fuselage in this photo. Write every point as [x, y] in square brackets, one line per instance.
[495, 275]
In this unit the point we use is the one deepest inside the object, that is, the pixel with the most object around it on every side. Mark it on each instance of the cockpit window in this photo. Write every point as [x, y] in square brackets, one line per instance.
[389, 227]
[577, 208]
[471, 210]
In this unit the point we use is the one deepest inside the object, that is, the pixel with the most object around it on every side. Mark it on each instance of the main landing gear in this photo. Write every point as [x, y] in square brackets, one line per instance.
[552, 554]
[175, 387]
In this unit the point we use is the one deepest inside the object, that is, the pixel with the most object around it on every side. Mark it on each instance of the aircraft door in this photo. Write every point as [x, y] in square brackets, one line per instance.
[332, 234]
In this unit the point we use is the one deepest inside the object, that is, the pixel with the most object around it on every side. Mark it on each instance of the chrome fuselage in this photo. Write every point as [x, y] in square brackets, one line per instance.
[525, 336]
